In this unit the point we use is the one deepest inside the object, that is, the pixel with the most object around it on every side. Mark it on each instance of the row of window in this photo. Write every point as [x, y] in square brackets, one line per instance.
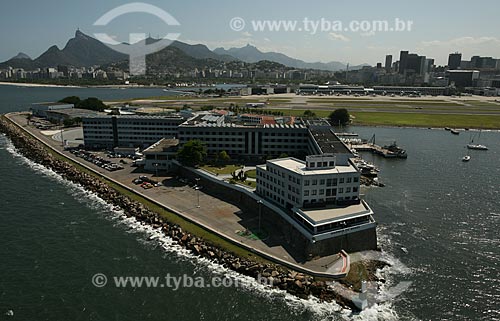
[321, 164]
[121, 123]
[166, 127]
[331, 181]
[330, 191]
[240, 133]
[161, 123]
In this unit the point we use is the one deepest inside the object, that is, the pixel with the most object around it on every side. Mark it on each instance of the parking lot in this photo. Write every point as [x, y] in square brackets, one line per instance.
[97, 160]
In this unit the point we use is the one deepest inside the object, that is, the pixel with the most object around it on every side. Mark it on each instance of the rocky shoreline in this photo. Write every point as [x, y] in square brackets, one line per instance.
[279, 277]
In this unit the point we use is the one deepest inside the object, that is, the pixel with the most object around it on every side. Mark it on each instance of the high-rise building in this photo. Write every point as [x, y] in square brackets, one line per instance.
[482, 62]
[403, 59]
[454, 60]
[415, 64]
[388, 63]
[429, 64]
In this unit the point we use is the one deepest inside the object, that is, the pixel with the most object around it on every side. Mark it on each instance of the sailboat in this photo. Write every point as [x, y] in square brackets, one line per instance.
[471, 145]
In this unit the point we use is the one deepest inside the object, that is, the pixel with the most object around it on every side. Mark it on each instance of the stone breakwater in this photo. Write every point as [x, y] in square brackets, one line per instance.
[297, 284]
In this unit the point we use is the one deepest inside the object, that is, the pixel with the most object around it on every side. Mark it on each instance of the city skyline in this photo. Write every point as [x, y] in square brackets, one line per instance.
[213, 28]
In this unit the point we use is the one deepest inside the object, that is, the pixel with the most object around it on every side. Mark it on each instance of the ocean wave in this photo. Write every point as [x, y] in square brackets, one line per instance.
[150, 235]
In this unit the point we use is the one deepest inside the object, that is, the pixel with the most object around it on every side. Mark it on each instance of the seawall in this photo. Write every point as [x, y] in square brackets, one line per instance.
[298, 284]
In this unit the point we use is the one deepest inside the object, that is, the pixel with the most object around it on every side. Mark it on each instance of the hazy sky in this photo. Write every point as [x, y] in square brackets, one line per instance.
[439, 27]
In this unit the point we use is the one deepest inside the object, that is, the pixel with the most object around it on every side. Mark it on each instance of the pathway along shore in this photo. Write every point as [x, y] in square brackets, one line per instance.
[281, 278]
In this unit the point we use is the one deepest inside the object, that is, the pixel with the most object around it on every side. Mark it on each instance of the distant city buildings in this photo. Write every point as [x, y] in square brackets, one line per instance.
[463, 78]
[410, 70]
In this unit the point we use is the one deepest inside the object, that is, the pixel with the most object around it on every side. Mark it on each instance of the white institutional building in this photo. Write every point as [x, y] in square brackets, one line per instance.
[320, 195]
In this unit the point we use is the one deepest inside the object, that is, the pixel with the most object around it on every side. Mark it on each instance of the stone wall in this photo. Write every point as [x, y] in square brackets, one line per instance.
[277, 276]
[353, 242]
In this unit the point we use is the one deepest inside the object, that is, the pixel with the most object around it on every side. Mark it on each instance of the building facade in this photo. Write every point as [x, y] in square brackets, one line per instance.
[249, 141]
[160, 155]
[290, 182]
[128, 131]
[321, 199]
[41, 109]
[454, 61]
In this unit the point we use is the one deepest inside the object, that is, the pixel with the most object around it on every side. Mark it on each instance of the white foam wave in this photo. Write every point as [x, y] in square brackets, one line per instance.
[321, 310]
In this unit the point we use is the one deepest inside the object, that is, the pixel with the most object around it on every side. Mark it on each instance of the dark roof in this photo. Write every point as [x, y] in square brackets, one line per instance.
[328, 141]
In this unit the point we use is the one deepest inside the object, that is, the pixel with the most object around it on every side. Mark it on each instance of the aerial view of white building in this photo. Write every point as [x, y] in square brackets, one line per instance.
[321, 197]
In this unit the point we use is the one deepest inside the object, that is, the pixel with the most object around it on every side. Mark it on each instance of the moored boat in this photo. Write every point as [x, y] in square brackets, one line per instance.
[394, 150]
[477, 147]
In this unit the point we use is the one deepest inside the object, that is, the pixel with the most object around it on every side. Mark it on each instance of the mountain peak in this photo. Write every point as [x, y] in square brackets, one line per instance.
[53, 48]
[249, 46]
[79, 34]
[22, 55]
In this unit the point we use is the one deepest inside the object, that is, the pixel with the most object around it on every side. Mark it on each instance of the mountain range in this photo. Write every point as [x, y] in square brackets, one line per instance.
[250, 53]
[85, 51]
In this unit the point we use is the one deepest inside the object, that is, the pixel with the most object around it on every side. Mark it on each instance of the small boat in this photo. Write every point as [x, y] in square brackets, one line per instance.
[394, 150]
[447, 128]
[466, 158]
[455, 132]
[477, 147]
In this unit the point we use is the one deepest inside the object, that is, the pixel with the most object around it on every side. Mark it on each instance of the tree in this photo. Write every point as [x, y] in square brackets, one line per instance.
[91, 103]
[77, 120]
[224, 157]
[71, 100]
[68, 122]
[192, 153]
[309, 113]
[339, 117]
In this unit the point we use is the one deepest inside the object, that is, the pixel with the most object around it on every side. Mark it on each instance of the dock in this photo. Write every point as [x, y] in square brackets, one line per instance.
[391, 151]
[386, 152]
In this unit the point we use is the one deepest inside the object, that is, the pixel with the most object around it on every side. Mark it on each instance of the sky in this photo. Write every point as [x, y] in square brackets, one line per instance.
[437, 27]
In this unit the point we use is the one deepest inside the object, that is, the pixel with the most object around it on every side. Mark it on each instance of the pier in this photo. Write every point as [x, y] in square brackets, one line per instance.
[391, 151]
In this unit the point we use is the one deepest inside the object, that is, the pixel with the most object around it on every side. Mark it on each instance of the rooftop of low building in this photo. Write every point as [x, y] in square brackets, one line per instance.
[162, 145]
[73, 112]
[298, 166]
[48, 104]
[333, 213]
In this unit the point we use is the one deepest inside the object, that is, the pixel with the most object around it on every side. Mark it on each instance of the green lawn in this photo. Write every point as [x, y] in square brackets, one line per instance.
[300, 112]
[221, 170]
[387, 103]
[417, 119]
[426, 120]
[252, 173]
